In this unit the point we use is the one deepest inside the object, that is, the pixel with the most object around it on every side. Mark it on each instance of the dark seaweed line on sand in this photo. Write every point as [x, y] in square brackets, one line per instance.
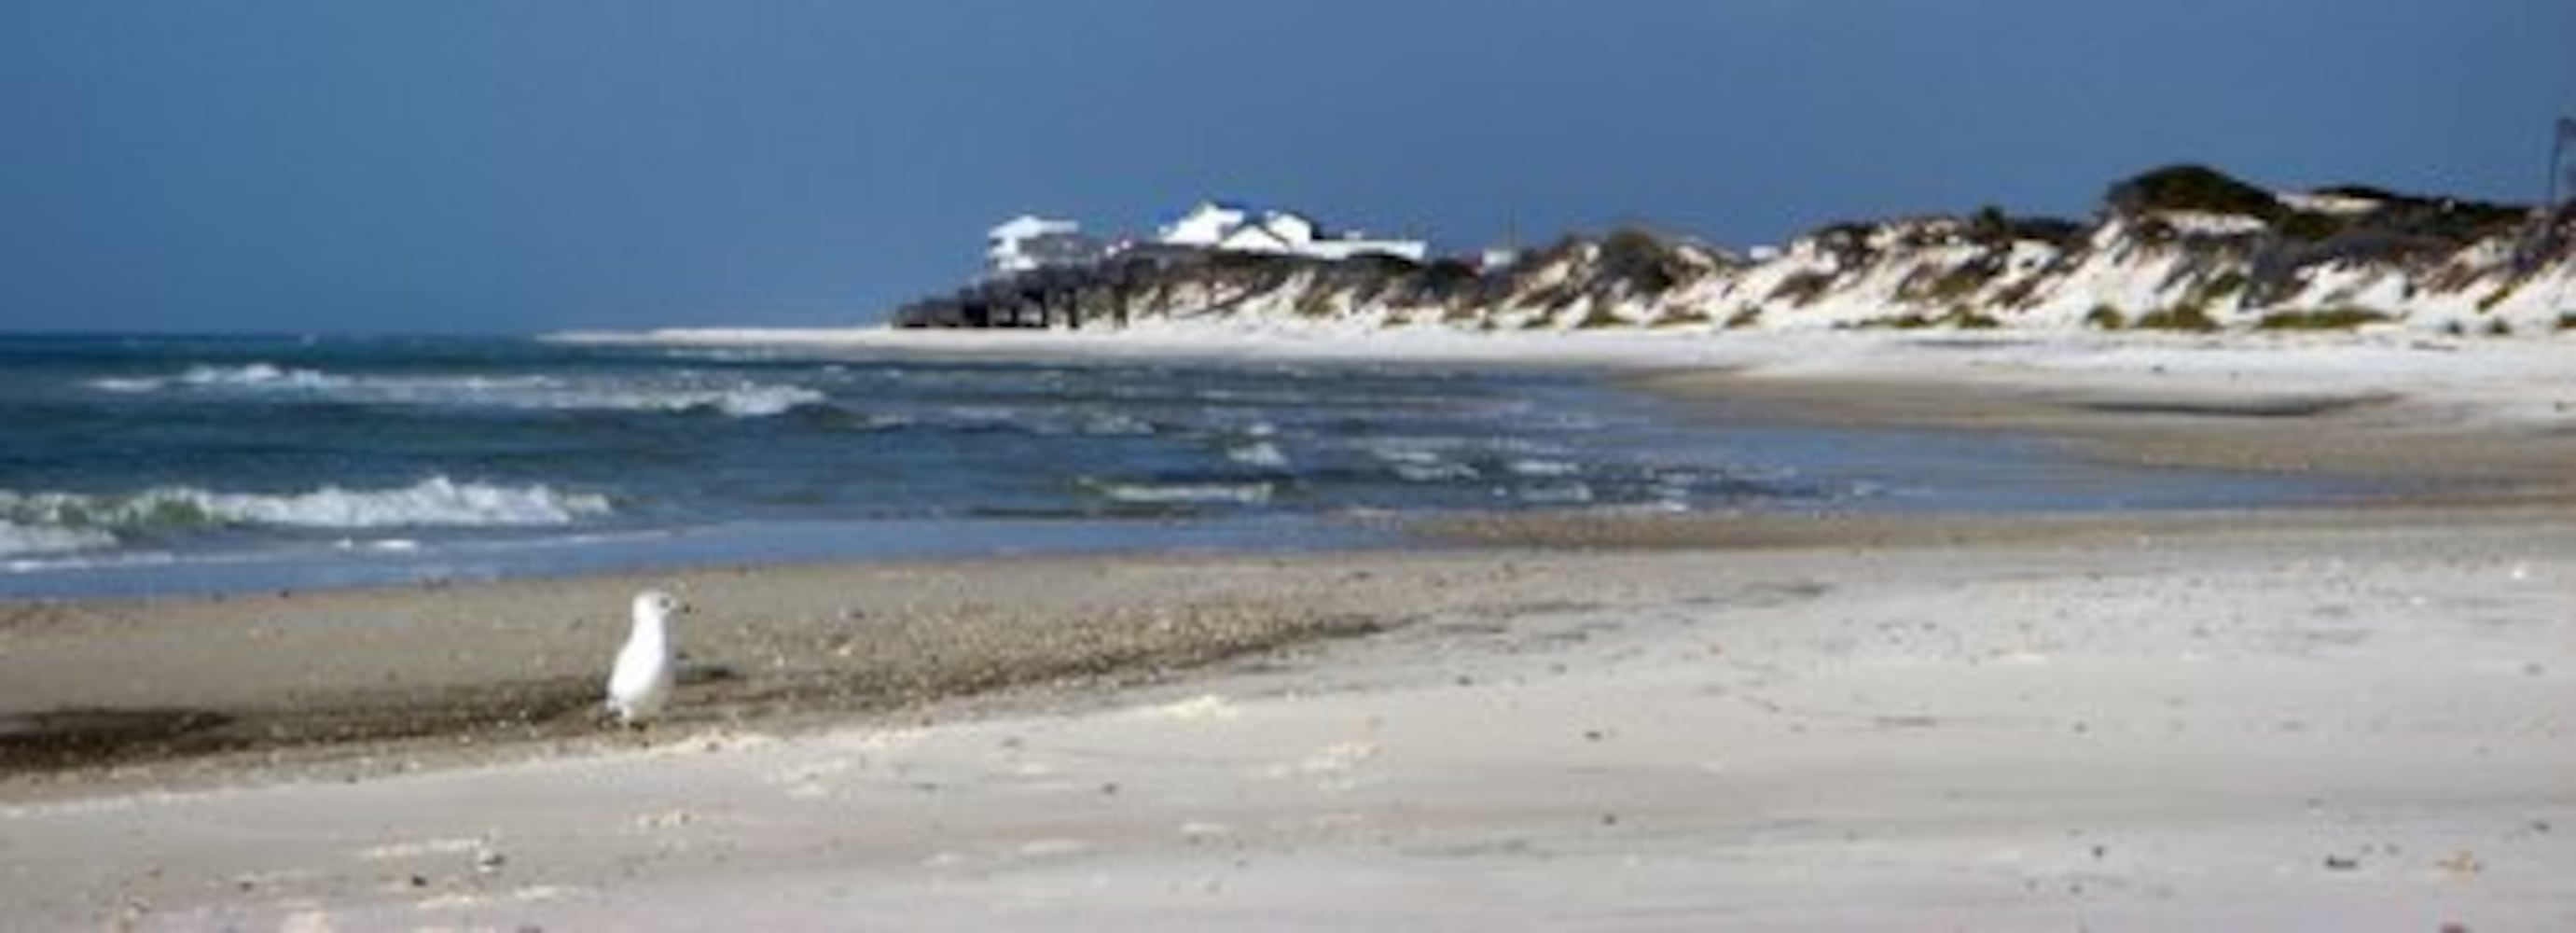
[893, 677]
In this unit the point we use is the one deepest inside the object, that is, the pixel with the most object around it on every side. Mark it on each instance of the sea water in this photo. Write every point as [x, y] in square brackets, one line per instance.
[174, 464]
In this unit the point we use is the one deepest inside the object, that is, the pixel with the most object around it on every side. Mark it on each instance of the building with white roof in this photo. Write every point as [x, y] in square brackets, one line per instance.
[1216, 225]
[1028, 243]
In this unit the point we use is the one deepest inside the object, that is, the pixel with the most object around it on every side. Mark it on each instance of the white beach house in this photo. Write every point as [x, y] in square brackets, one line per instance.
[1218, 225]
[1028, 243]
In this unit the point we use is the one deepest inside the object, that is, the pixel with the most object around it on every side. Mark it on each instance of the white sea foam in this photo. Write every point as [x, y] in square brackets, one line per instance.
[1435, 471]
[437, 501]
[17, 539]
[740, 399]
[747, 400]
[1113, 424]
[260, 375]
[128, 386]
[546, 393]
[1262, 454]
[1410, 455]
[1239, 493]
[1560, 494]
[380, 545]
[434, 502]
[268, 376]
[1544, 468]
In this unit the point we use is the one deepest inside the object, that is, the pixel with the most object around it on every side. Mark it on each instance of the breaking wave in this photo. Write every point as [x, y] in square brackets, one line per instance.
[1545, 468]
[1437, 471]
[19, 540]
[1188, 493]
[253, 376]
[1263, 454]
[739, 399]
[55, 522]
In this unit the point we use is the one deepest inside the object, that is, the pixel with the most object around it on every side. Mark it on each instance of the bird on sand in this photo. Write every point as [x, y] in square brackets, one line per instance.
[641, 682]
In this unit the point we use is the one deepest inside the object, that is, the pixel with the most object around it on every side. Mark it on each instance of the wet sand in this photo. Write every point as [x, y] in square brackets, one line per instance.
[171, 692]
[2350, 718]
[2436, 449]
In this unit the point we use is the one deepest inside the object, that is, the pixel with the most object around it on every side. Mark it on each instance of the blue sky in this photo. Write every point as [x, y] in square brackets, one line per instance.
[527, 165]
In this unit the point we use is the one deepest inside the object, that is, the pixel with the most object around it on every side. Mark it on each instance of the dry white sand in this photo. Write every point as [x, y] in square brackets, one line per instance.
[2344, 725]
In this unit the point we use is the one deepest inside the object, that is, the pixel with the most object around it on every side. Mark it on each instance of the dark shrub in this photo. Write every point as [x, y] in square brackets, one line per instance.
[2345, 318]
[2182, 317]
[1642, 261]
[2193, 188]
[1803, 288]
[2055, 231]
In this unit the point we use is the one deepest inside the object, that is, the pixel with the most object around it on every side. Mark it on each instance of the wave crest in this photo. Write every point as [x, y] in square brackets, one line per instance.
[739, 399]
[93, 521]
[1188, 493]
[1263, 454]
[18, 540]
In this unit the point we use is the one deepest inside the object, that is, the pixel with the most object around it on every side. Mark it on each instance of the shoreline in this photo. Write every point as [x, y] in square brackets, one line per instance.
[2139, 398]
[2419, 450]
[2365, 407]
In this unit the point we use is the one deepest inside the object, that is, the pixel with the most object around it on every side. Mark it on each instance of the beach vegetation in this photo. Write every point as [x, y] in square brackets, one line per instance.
[1951, 284]
[2566, 321]
[2497, 297]
[1684, 316]
[2451, 220]
[2055, 231]
[2189, 317]
[1803, 288]
[1642, 261]
[2105, 317]
[1551, 297]
[2224, 285]
[2499, 327]
[1315, 303]
[2336, 318]
[1959, 317]
[2014, 294]
[2193, 188]
[1964, 317]
[1848, 241]
[2308, 226]
[1599, 315]
[1748, 317]
[2203, 189]
[1990, 226]
[2402, 223]
[1447, 278]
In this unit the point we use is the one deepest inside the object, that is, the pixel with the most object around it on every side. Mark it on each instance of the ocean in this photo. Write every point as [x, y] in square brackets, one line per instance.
[179, 464]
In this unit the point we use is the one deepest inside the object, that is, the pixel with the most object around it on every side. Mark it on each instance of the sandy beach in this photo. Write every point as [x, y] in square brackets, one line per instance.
[2346, 718]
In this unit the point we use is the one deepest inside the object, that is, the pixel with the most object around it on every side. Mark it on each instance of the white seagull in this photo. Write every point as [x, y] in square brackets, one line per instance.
[641, 681]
